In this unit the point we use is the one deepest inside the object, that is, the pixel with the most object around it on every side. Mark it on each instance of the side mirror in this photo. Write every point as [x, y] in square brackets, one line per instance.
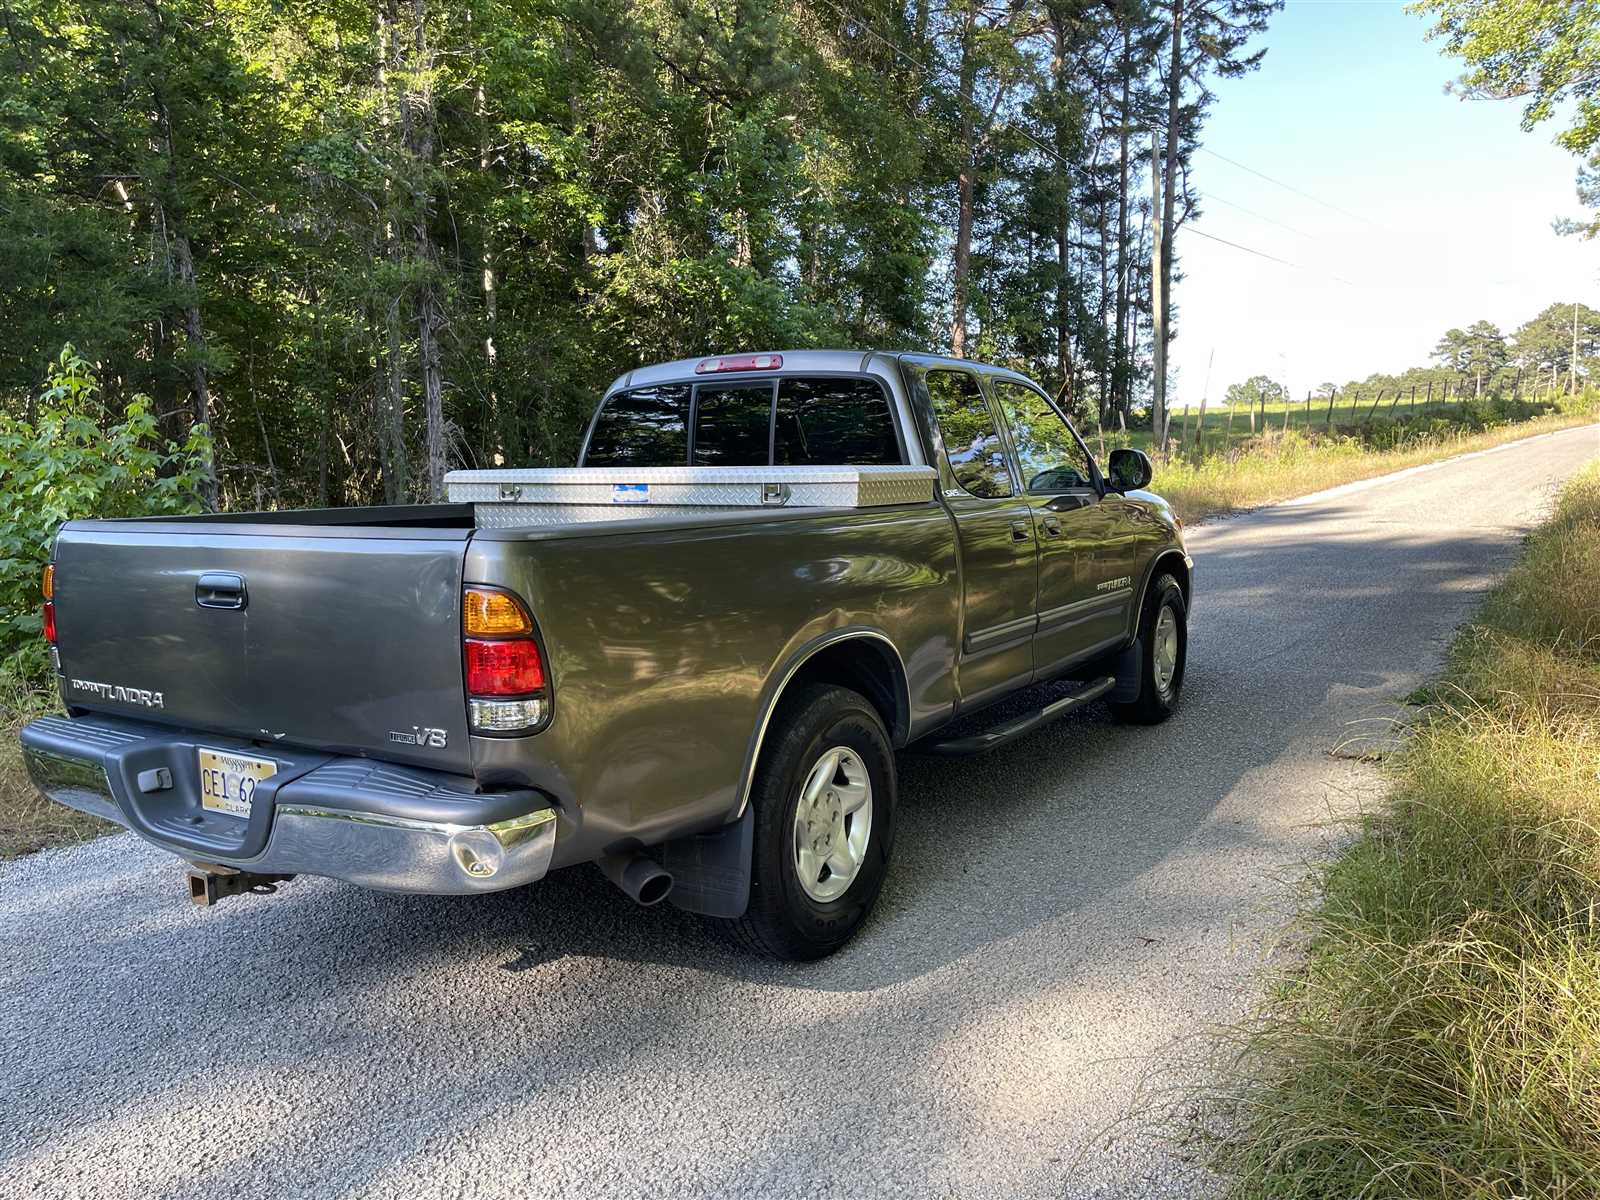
[1129, 470]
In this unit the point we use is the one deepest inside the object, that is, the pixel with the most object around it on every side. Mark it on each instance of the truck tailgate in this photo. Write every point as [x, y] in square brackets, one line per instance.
[347, 639]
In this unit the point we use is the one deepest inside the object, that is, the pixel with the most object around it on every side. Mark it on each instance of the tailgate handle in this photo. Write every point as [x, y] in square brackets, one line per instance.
[220, 589]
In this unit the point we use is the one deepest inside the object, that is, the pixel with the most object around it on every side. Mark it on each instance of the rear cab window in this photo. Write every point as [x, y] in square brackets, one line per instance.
[790, 420]
[642, 427]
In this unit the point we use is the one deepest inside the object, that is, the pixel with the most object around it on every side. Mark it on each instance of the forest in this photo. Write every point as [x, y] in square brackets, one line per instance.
[343, 246]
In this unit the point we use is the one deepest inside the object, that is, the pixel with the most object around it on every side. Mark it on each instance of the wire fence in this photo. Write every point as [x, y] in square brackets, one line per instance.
[1359, 410]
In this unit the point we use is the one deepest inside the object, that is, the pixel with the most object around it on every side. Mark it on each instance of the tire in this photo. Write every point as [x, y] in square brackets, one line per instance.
[816, 725]
[1159, 683]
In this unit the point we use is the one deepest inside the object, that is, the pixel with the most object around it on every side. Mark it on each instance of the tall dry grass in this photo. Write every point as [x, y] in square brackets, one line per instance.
[1442, 1037]
[1281, 466]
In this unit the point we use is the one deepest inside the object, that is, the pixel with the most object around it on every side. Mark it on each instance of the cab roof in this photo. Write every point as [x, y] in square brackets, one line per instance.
[797, 362]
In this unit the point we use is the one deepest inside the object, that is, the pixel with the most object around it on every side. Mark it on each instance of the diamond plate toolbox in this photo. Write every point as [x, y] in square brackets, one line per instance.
[506, 498]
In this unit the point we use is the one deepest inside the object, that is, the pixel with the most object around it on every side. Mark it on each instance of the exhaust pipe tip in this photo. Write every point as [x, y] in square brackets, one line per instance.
[640, 877]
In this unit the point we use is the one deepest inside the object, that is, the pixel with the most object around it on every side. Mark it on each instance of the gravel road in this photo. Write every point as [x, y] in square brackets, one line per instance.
[1061, 917]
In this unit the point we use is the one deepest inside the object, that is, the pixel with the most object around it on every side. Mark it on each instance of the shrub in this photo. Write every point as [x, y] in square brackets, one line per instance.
[70, 458]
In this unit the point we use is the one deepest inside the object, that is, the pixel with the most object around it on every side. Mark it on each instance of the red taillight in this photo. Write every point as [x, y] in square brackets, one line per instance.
[739, 362]
[50, 622]
[504, 668]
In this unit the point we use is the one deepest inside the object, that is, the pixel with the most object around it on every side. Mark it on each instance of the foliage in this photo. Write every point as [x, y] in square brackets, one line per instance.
[68, 458]
[369, 241]
[1256, 390]
[1442, 1038]
[1544, 51]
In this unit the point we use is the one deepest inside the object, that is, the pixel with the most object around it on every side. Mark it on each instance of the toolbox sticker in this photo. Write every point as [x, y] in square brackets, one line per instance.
[630, 493]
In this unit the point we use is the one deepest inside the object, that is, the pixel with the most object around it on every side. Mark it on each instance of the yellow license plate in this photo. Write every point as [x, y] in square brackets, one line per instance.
[228, 781]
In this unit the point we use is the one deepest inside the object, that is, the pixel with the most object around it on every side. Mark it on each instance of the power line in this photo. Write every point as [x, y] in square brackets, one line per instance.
[1288, 187]
[1262, 254]
[927, 74]
[1212, 196]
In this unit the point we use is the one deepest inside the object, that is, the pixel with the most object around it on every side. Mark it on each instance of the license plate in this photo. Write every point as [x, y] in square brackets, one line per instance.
[228, 781]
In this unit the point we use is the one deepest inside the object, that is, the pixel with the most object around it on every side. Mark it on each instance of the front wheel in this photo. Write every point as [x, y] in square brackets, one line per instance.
[1163, 651]
[823, 805]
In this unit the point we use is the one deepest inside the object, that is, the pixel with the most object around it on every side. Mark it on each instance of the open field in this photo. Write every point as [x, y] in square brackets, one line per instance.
[1443, 1036]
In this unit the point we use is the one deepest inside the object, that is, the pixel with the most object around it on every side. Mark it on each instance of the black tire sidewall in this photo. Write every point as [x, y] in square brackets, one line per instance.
[1167, 595]
[789, 921]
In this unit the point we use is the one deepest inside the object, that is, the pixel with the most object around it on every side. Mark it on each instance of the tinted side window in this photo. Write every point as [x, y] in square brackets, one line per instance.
[731, 424]
[647, 427]
[842, 422]
[971, 441]
[1052, 460]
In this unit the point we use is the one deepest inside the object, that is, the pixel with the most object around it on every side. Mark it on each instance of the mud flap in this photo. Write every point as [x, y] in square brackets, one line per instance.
[711, 871]
[1129, 672]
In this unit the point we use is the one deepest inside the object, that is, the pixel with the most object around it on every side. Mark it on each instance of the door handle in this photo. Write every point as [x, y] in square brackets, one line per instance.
[1052, 527]
[1020, 531]
[220, 589]
[1068, 501]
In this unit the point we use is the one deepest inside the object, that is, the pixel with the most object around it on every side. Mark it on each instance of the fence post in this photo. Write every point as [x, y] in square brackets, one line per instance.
[1308, 412]
[1333, 394]
[1374, 407]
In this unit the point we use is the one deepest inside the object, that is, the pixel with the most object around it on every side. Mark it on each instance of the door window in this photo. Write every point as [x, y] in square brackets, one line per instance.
[1050, 455]
[971, 439]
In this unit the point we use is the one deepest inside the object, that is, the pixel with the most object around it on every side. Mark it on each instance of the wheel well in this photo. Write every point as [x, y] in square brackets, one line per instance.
[867, 665]
[1172, 564]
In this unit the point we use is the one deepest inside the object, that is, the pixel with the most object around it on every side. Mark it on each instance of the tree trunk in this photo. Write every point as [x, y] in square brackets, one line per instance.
[966, 186]
[418, 124]
[1158, 303]
[1168, 206]
[1122, 361]
[1063, 229]
[174, 231]
[195, 338]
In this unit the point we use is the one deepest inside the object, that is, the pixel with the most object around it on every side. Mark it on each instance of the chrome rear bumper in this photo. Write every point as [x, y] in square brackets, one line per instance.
[347, 819]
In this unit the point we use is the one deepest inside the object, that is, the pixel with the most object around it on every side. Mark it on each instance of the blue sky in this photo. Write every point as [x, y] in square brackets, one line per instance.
[1446, 203]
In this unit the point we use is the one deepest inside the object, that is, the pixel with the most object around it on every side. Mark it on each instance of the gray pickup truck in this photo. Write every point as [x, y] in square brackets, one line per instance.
[689, 660]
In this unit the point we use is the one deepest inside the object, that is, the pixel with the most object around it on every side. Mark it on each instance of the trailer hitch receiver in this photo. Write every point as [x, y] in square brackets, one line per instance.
[210, 885]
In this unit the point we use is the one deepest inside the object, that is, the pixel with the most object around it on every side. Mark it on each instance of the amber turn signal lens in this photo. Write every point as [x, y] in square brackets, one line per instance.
[48, 586]
[494, 614]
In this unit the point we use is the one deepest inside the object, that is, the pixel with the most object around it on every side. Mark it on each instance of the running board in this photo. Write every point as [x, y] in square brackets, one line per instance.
[1027, 723]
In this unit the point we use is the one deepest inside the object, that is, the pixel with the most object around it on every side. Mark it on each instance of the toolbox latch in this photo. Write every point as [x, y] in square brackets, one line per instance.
[774, 493]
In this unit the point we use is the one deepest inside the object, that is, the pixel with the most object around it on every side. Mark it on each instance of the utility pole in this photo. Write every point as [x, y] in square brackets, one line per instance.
[1572, 367]
[1158, 316]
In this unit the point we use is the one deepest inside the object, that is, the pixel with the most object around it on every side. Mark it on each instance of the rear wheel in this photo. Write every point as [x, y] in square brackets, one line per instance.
[823, 802]
[1163, 651]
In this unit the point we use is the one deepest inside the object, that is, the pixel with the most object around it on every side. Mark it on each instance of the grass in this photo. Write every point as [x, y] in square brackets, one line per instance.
[1278, 466]
[28, 822]
[1442, 1036]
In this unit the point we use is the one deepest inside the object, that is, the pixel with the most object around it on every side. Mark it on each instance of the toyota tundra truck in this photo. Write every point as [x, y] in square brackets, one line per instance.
[690, 659]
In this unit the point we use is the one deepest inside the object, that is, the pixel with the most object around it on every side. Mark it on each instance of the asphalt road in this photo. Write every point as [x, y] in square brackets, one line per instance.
[1062, 918]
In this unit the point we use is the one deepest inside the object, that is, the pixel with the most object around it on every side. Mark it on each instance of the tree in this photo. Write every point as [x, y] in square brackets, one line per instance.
[1543, 347]
[1546, 52]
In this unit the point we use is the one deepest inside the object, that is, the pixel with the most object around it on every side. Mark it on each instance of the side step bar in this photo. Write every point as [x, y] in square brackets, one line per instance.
[1027, 723]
